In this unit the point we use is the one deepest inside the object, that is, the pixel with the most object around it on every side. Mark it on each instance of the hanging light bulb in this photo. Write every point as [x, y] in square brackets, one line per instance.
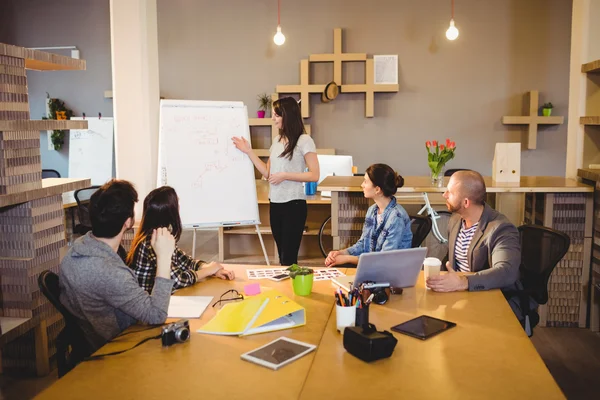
[452, 32]
[279, 38]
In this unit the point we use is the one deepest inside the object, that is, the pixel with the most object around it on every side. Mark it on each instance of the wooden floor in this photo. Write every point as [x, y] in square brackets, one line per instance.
[572, 355]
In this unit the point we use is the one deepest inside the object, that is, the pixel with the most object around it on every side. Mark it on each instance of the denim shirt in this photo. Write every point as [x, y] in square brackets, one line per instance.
[392, 234]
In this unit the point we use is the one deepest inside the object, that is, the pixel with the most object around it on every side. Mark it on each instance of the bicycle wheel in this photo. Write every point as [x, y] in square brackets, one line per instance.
[325, 239]
[435, 248]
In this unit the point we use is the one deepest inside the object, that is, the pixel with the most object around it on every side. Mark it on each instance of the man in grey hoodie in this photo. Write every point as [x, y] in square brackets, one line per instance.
[95, 284]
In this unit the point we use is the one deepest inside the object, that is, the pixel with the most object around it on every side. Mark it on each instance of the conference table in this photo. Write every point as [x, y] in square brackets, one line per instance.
[487, 355]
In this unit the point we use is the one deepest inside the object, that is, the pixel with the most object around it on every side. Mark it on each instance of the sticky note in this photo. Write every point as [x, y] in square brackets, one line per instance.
[252, 289]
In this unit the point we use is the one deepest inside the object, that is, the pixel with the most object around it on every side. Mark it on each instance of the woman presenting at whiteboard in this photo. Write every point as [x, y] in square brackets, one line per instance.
[291, 153]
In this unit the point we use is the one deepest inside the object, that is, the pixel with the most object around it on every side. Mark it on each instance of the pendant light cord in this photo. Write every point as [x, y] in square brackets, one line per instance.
[279, 6]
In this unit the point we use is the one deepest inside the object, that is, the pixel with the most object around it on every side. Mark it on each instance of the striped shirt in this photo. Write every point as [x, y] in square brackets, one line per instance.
[461, 247]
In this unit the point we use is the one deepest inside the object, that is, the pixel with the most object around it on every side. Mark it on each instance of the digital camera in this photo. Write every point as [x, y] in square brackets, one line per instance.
[381, 292]
[177, 332]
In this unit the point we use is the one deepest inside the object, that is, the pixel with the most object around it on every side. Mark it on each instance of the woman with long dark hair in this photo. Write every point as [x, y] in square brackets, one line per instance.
[161, 210]
[387, 225]
[291, 154]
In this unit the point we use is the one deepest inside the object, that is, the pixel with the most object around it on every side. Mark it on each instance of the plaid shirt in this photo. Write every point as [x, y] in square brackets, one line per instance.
[182, 267]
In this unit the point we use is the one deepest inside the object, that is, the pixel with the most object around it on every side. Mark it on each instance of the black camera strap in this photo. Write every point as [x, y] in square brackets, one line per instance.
[114, 353]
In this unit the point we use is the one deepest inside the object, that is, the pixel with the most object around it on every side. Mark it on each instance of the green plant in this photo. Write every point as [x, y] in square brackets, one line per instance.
[54, 106]
[295, 270]
[547, 105]
[264, 102]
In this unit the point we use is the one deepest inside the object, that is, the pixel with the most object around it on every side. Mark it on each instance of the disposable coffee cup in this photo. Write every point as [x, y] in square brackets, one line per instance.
[431, 267]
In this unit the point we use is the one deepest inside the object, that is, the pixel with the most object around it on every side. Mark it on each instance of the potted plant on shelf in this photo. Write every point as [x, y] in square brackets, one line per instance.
[264, 104]
[57, 110]
[437, 157]
[547, 109]
[302, 279]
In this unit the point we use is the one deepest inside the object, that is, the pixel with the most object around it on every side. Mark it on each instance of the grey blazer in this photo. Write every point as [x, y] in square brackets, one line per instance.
[494, 253]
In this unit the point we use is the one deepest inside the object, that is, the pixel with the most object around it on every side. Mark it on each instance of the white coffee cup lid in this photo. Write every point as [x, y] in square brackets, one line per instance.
[432, 261]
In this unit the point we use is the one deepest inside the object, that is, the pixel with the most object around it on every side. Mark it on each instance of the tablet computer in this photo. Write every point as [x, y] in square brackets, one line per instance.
[278, 353]
[423, 327]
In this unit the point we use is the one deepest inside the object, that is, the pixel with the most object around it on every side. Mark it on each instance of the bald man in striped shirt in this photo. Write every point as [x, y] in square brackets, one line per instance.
[481, 242]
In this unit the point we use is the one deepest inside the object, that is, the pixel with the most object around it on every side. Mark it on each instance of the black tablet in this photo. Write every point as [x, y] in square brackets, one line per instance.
[423, 327]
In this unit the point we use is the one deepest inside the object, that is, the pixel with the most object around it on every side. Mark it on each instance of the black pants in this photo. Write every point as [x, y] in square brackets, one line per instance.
[287, 225]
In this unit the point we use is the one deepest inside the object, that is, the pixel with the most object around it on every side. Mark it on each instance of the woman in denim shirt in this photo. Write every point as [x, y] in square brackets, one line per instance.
[387, 225]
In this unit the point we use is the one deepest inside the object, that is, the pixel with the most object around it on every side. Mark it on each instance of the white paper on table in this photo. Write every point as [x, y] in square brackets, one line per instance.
[188, 306]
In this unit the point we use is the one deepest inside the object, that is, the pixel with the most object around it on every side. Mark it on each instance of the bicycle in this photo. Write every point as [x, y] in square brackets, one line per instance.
[439, 224]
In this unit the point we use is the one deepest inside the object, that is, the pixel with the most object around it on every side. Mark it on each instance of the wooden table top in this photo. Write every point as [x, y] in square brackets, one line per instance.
[528, 184]
[209, 365]
[486, 355]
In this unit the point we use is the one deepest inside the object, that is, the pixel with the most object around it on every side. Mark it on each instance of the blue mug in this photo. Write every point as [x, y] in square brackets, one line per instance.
[310, 188]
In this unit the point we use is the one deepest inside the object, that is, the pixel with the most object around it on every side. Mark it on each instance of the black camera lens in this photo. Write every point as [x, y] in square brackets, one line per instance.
[380, 297]
[182, 334]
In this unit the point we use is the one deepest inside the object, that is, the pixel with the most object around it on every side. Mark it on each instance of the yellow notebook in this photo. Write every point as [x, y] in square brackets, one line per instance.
[266, 312]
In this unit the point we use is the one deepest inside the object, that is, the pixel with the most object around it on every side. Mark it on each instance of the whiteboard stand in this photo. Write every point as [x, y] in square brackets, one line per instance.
[194, 245]
[262, 244]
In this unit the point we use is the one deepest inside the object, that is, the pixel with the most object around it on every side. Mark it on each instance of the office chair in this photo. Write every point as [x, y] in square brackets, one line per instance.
[449, 172]
[71, 344]
[542, 249]
[82, 197]
[50, 173]
[420, 227]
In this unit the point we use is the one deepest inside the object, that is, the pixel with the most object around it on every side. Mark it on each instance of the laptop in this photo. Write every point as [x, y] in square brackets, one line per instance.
[398, 267]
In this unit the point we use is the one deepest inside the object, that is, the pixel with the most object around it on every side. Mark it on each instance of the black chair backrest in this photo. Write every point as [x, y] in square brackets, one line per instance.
[541, 250]
[71, 344]
[420, 227]
[50, 173]
[48, 283]
[82, 197]
[449, 172]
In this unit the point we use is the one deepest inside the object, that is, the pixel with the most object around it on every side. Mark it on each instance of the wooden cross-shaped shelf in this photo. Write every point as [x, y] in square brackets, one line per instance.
[304, 88]
[533, 120]
[338, 58]
[369, 88]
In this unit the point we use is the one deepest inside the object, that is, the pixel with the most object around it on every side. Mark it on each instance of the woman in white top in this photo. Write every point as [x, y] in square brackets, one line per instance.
[290, 155]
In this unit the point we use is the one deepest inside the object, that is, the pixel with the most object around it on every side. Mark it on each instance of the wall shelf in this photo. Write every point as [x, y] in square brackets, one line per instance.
[323, 152]
[591, 67]
[589, 120]
[41, 61]
[42, 125]
[533, 120]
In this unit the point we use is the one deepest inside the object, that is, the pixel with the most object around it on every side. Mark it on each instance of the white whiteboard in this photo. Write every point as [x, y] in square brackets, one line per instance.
[91, 150]
[214, 180]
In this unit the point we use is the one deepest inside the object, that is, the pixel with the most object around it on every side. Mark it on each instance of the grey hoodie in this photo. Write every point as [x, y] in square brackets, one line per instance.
[97, 287]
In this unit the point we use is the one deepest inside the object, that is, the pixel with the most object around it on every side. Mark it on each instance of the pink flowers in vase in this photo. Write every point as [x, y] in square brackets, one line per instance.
[437, 156]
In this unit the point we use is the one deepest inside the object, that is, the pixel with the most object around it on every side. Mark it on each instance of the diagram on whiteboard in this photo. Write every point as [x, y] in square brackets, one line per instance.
[214, 180]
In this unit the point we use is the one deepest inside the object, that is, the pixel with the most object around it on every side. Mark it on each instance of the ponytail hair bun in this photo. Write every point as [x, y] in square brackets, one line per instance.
[399, 181]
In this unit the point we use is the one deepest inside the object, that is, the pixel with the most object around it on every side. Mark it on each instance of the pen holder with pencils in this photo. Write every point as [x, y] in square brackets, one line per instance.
[344, 316]
[362, 315]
